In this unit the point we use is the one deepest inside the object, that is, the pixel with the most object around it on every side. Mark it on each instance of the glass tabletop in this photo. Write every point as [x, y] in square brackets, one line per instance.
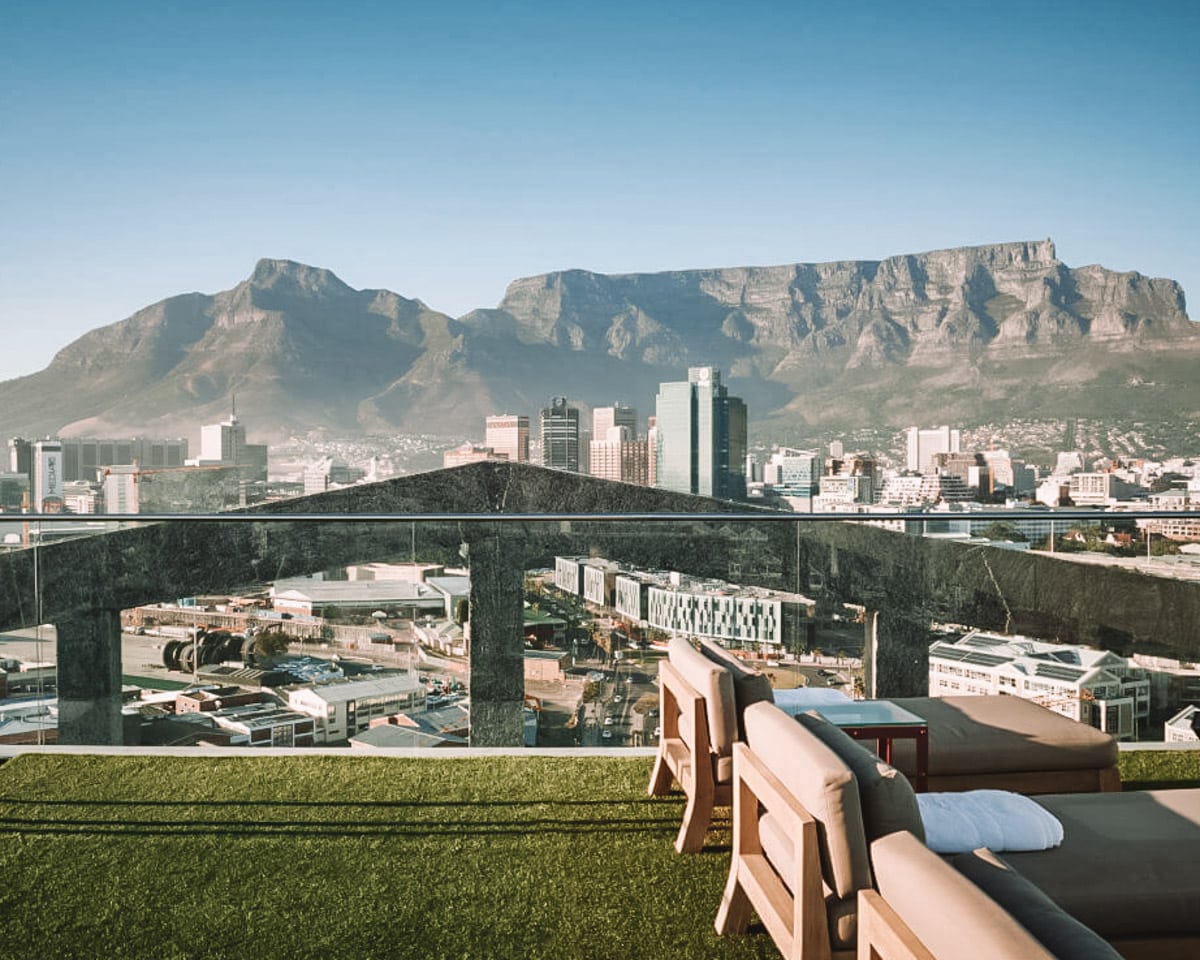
[868, 713]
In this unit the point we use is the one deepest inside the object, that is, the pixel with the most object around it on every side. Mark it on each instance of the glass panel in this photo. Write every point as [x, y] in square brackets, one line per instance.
[265, 620]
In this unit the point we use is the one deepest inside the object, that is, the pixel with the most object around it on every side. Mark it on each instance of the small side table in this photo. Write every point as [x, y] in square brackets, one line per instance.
[883, 722]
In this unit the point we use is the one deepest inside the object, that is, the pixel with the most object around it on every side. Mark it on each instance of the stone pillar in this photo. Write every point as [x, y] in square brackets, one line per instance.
[497, 603]
[896, 654]
[89, 678]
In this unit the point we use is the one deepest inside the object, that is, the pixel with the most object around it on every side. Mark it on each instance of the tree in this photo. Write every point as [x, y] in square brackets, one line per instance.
[1163, 547]
[1003, 530]
[272, 643]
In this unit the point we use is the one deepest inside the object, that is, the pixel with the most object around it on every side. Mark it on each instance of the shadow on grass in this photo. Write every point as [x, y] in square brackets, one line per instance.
[432, 825]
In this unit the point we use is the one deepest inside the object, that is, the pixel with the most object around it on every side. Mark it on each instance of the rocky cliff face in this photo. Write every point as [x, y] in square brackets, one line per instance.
[973, 334]
[1012, 300]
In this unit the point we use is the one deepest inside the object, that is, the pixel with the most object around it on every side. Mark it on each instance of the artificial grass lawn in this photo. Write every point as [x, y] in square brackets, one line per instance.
[1159, 769]
[331, 857]
[366, 857]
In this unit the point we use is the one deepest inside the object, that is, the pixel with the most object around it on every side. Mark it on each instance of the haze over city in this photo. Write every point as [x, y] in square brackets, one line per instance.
[441, 154]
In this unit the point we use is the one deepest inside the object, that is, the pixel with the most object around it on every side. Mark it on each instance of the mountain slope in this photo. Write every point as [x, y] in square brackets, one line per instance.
[969, 335]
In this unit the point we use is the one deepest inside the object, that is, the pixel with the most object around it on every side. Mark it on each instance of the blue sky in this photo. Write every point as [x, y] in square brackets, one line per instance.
[150, 149]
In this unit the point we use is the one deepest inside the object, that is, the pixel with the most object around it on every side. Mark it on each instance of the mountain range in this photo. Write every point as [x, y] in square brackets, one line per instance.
[966, 335]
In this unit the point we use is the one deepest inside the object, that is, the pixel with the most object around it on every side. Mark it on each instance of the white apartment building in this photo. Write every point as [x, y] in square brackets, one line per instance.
[343, 708]
[924, 445]
[1100, 489]
[912, 491]
[1181, 727]
[679, 604]
[1095, 687]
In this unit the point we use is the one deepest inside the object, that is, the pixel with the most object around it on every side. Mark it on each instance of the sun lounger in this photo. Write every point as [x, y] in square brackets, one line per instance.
[809, 803]
[925, 909]
[1000, 742]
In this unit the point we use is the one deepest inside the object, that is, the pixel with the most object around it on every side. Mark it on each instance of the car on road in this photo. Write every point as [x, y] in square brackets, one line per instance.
[658, 731]
[616, 698]
[606, 734]
[608, 721]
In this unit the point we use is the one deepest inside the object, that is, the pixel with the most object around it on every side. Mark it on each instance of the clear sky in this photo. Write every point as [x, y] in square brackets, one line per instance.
[440, 151]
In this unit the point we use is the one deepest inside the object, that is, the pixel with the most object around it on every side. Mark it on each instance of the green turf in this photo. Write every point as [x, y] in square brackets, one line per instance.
[350, 857]
[365, 857]
[1159, 769]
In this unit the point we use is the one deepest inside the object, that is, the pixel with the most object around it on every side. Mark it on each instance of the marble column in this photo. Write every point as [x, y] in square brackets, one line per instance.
[89, 678]
[497, 650]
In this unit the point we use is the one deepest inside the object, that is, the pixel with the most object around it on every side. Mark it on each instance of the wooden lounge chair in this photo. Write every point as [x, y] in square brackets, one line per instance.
[809, 803]
[974, 742]
[925, 909]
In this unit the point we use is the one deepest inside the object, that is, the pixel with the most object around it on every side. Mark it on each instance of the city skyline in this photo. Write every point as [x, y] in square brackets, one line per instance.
[155, 151]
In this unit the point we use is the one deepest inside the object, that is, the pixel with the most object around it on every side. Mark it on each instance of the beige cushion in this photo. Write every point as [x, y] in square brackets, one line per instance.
[1058, 932]
[823, 785]
[749, 685]
[950, 915]
[887, 798]
[1129, 864]
[715, 684]
[998, 734]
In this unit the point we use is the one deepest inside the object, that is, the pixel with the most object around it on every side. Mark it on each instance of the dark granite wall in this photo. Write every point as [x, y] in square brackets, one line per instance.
[908, 580]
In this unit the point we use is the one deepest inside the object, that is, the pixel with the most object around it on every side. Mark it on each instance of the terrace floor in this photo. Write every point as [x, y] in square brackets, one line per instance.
[448, 856]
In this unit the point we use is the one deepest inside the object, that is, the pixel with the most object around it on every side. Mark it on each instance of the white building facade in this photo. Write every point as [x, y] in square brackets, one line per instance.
[1095, 687]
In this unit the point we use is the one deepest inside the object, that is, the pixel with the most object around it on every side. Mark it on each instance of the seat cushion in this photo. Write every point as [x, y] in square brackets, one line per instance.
[887, 798]
[823, 785]
[1129, 863]
[715, 684]
[998, 734]
[1051, 926]
[950, 915]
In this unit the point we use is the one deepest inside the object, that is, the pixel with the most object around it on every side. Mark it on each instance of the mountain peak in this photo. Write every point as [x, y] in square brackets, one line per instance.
[301, 277]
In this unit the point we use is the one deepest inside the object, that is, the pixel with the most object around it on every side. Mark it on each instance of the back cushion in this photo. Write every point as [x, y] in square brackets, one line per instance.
[749, 685]
[1056, 930]
[888, 801]
[715, 684]
[949, 914]
[823, 785]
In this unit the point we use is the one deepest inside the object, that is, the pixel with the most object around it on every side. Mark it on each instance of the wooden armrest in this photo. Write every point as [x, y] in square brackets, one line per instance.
[882, 935]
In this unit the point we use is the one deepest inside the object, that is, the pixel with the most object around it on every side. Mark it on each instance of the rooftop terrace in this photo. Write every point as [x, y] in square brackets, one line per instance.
[486, 854]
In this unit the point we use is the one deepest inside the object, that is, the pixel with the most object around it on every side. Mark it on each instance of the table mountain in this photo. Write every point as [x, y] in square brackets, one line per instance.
[968, 335]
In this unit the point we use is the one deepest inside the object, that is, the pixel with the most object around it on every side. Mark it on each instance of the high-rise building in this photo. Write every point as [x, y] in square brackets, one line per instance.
[619, 457]
[795, 475]
[924, 445]
[618, 415]
[560, 435]
[701, 437]
[47, 477]
[120, 489]
[224, 445]
[508, 436]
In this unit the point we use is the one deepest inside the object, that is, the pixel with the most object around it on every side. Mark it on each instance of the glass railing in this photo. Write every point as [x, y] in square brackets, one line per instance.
[418, 630]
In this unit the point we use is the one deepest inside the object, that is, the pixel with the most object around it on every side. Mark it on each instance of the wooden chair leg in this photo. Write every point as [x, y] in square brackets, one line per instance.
[696, 818]
[661, 776]
[733, 916]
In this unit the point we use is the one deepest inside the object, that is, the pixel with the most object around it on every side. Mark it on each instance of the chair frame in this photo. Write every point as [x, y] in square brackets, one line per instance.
[693, 765]
[799, 924]
[882, 934]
